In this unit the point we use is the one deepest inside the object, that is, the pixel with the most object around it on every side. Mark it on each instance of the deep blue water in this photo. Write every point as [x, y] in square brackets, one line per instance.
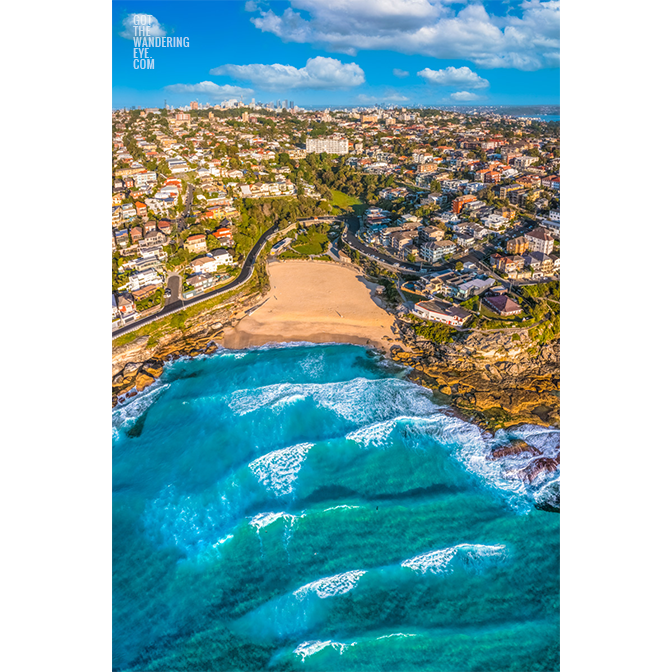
[308, 508]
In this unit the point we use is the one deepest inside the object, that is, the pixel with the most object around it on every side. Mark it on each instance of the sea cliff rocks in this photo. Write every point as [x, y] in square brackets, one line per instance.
[498, 379]
[514, 448]
[137, 364]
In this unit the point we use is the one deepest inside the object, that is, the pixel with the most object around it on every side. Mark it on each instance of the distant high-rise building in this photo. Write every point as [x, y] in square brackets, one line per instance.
[291, 104]
[253, 103]
[193, 105]
[279, 104]
[284, 104]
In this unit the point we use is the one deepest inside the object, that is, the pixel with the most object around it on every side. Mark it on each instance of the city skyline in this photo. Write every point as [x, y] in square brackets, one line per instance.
[416, 52]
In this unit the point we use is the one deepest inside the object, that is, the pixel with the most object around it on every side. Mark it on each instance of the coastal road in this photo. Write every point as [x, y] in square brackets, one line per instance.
[179, 304]
[350, 237]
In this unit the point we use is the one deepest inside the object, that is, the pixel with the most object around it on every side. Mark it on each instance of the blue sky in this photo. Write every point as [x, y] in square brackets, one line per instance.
[341, 52]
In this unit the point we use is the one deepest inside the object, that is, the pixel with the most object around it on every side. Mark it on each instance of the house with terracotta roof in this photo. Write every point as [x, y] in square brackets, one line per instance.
[165, 226]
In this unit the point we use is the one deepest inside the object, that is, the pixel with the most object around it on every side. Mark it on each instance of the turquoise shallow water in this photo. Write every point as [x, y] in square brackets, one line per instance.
[308, 508]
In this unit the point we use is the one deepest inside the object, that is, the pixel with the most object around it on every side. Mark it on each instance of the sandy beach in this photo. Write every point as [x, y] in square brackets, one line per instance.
[319, 302]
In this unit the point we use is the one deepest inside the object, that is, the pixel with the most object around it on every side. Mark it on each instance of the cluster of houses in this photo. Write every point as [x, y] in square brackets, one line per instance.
[158, 151]
[460, 286]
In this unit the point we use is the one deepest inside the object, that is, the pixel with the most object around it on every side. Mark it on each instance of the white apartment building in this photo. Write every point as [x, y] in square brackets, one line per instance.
[328, 145]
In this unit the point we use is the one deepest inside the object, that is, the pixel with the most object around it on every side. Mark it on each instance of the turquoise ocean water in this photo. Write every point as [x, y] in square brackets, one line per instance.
[308, 508]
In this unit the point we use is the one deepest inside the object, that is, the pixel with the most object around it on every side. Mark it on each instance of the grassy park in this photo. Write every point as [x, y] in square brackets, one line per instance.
[345, 202]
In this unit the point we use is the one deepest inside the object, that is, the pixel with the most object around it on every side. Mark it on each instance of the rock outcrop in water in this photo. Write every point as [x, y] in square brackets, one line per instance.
[514, 448]
[540, 466]
[499, 379]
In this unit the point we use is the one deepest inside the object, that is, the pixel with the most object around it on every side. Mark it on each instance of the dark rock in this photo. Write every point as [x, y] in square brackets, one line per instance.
[514, 448]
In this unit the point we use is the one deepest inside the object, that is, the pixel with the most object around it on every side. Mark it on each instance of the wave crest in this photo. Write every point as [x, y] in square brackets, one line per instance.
[469, 556]
[331, 585]
[277, 471]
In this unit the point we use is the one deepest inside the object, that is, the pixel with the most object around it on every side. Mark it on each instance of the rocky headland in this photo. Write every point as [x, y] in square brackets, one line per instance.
[497, 379]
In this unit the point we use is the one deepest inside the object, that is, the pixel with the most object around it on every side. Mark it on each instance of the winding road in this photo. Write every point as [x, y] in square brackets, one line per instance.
[176, 305]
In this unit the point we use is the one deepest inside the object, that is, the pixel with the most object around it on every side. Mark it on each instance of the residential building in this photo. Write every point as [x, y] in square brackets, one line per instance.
[464, 239]
[441, 311]
[540, 240]
[517, 245]
[503, 305]
[461, 201]
[204, 265]
[400, 241]
[437, 250]
[495, 222]
[196, 243]
[136, 234]
[428, 234]
[328, 145]
[223, 257]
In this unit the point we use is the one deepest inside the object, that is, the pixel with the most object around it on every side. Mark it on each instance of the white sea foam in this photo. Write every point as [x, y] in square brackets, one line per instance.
[378, 433]
[306, 649]
[359, 400]
[470, 556]
[473, 448]
[223, 540]
[398, 634]
[343, 506]
[283, 402]
[331, 585]
[277, 471]
[266, 519]
[127, 413]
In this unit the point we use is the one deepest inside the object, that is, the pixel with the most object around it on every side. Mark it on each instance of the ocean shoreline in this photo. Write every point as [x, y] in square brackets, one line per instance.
[308, 302]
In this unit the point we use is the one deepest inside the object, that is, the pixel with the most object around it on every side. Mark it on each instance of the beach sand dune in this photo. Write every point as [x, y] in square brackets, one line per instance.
[319, 302]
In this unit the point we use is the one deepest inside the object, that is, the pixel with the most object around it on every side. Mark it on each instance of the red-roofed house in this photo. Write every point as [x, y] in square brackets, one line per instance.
[140, 209]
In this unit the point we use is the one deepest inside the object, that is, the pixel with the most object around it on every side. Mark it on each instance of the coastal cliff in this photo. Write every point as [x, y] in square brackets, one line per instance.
[138, 363]
[499, 379]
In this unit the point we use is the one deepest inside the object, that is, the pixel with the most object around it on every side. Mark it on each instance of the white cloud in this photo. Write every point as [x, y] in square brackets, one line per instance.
[154, 28]
[427, 27]
[400, 73]
[318, 73]
[210, 89]
[464, 95]
[450, 76]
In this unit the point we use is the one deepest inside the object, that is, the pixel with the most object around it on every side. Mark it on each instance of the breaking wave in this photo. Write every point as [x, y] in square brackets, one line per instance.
[473, 557]
[278, 470]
